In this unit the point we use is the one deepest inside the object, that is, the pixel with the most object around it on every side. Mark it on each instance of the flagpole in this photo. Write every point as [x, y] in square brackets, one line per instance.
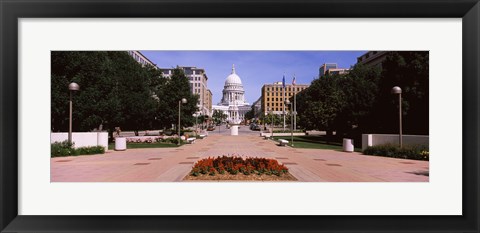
[283, 85]
[294, 103]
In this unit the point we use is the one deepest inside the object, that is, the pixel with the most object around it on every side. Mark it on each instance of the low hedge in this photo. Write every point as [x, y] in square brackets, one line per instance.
[288, 131]
[61, 149]
[417, 152]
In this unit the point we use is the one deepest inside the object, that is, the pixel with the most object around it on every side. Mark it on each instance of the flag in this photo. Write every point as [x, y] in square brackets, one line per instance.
[283, 81]
[293, 81]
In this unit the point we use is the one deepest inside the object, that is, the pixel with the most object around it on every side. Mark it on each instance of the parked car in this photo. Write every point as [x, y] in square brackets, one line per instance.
[210, 128]
[256, 128]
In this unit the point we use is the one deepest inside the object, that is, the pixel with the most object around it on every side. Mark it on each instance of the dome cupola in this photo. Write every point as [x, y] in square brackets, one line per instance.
[233, 79]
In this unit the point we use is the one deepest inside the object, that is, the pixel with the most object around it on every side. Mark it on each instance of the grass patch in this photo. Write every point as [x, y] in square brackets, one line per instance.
[111, 146]
[313, 142]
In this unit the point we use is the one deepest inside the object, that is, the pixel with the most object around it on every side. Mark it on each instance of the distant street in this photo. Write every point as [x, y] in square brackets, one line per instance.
[242, 130]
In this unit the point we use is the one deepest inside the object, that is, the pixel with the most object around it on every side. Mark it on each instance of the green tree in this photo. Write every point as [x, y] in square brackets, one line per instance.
[409, 71]
[95, 103]
[360, 90]
[218, 116]
[176, 87]
[250, 114]
[115, 90]
[361, 102]
[273, 118]
[320, 104]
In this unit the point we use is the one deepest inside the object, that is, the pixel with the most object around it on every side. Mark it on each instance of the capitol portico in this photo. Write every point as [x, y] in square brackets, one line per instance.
[233, 102]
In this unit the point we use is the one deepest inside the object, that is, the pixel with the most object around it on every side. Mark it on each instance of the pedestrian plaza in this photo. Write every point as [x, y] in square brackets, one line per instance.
[173, 164]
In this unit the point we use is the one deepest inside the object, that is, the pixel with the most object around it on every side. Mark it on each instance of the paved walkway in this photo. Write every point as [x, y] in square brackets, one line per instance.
[173, 164]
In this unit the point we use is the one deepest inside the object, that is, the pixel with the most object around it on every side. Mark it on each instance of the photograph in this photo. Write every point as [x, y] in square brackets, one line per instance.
[239, 116]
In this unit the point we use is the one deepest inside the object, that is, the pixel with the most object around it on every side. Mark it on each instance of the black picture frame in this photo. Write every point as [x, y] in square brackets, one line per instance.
[11, 11]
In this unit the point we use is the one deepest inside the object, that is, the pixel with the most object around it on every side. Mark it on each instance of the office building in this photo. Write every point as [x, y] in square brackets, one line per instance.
[331, 69]
[373, 58]
[198, 85]
[272, 96]
[140, 58]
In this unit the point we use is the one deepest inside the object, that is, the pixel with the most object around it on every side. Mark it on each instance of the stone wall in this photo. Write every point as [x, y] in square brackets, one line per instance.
[378, 139]
[83, 139]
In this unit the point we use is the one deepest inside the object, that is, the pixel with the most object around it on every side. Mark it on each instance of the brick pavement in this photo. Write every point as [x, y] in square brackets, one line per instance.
[172, 164]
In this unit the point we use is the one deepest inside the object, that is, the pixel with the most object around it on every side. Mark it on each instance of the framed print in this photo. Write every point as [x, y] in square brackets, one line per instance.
[149, 75]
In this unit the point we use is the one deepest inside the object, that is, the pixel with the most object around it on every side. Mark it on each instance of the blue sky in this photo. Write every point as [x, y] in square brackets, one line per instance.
[255, 68]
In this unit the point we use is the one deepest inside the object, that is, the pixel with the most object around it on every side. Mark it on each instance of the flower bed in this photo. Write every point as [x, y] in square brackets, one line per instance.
[230, 167]
[155, 139]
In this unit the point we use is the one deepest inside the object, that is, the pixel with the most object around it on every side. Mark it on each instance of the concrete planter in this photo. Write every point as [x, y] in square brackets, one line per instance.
[348, 145]
[83, 139]
[234, 130]
[379, 139]
[120, 143]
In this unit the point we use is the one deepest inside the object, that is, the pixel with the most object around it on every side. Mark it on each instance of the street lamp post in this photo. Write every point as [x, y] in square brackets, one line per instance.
[271, 122]
[184, 101]
[72, 87]
[287, 102]
[196, 124]
[398, 90]
[265, 121]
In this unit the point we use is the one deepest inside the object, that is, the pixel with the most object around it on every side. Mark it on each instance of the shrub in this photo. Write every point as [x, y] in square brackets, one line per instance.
[236, 164]
[417, 152]
[90, 150]
[288, 131]
[171, 140]
[61, 149]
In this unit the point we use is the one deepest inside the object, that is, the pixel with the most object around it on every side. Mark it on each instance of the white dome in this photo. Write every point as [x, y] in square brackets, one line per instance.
[233, 78]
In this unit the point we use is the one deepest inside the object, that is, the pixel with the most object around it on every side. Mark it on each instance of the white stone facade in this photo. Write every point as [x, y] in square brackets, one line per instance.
[233, 102]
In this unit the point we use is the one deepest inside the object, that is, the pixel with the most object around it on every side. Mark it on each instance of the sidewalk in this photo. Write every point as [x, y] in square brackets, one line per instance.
[173, 164]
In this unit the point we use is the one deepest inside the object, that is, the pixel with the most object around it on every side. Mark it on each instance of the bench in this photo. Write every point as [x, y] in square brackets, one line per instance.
[202, 136]
[266, 136]
[282, 142]
[190, 140]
